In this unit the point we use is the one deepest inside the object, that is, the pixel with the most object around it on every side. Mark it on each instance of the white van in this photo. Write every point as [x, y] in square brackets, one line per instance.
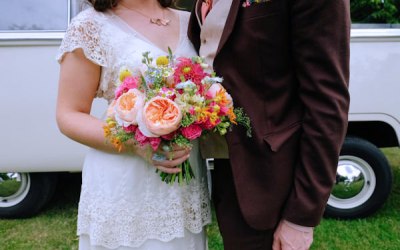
[33, 151]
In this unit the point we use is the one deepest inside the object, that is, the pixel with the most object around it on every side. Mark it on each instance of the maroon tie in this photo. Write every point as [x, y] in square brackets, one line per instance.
[206, 6]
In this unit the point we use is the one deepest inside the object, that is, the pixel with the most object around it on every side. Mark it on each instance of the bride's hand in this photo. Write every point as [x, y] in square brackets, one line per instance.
[166, 161]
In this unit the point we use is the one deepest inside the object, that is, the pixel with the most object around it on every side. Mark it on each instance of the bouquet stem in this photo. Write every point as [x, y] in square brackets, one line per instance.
[184, 176]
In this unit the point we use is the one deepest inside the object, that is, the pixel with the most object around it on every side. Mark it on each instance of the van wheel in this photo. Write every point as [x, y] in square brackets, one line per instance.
[363, 181]
[24, 194]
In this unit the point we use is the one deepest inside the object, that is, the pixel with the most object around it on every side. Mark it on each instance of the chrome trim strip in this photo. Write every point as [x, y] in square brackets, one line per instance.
[31, 38]
[69, 11]
[14, 36]
[375, 33]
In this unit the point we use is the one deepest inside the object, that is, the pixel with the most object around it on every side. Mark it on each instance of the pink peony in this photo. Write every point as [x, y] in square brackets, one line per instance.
[192, 132]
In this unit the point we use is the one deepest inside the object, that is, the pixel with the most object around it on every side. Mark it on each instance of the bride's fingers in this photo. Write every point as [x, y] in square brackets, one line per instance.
[174, 154]
[176, 147]
[168, 170]
[177, 154]
[170, 163]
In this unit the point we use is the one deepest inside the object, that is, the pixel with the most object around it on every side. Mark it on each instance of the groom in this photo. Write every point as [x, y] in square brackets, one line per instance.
[286, 62]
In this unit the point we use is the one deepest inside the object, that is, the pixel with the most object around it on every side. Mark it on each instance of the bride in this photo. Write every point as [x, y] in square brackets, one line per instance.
[123, 202]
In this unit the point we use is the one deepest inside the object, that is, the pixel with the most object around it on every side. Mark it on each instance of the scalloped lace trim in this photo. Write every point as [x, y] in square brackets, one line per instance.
[125, 224]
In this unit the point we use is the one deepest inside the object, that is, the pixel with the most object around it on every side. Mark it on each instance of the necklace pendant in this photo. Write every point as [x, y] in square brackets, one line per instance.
[160, 21]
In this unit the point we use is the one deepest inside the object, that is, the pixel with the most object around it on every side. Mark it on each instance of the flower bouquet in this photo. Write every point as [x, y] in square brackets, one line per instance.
[170, 101]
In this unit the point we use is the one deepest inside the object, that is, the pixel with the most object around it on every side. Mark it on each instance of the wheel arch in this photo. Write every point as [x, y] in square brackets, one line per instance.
[380, 129]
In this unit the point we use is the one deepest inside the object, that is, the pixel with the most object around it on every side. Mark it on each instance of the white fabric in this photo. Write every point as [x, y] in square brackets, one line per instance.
[123, 203]
[212, 28]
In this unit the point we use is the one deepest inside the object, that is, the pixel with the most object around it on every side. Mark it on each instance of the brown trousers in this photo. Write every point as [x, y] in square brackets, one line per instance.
[236, 233]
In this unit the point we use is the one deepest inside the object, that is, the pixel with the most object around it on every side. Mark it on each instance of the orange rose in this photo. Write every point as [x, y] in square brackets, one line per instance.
[161, 116]
[127, 107]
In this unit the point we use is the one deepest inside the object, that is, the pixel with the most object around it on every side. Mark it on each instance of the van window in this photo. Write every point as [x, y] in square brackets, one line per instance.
[372, 14]
[38, 15]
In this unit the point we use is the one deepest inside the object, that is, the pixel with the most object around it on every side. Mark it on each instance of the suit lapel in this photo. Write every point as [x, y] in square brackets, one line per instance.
[230, 23]
[194, 27]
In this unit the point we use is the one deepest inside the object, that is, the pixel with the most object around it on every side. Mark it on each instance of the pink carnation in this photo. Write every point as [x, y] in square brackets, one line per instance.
[155, 142]
[192, 132]
[223, 111]
[139, 137]
[207, 125]
[130, 82]
[130, 129]
[169, 136]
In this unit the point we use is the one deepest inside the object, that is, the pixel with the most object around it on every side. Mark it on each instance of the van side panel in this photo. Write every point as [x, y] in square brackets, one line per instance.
[29, 137]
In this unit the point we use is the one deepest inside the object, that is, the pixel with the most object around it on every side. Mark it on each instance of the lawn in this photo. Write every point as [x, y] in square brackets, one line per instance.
[54, 228]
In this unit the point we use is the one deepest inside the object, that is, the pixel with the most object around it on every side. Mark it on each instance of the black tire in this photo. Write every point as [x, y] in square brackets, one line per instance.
[363, 181]
[28, 194]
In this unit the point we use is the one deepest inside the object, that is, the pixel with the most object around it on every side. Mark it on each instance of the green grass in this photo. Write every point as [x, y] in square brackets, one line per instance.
[342, 190]
[8, 187]
[55, 227]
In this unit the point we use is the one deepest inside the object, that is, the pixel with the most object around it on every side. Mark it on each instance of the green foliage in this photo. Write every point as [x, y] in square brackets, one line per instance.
[375, 11]
[187, 120]
[181, 141]
[243, 119]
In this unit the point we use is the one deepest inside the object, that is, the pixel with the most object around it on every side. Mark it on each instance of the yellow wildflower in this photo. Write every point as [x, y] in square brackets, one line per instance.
[117, 144]
[107, 131]
[186, 69]
[111, 123]
[214, 118]
[216, 108]
[202, 114]
[123, 74]
[162, 61]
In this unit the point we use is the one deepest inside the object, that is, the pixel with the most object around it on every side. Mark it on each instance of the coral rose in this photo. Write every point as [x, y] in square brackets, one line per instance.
[127, 107]
[161, 116]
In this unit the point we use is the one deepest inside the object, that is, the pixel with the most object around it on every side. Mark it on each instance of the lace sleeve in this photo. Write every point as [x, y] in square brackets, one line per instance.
[84, 33]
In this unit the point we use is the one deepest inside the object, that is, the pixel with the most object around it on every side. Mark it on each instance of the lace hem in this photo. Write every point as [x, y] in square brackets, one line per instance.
[125, 224]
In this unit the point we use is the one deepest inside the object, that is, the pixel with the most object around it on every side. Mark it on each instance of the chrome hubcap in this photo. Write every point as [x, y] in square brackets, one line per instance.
[13, 188]
[355, 183]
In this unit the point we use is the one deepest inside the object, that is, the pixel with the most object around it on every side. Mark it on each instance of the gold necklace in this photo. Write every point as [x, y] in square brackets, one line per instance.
[153, 20]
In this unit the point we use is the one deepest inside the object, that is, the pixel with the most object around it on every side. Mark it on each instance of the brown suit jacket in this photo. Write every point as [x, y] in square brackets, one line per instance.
[287, 64]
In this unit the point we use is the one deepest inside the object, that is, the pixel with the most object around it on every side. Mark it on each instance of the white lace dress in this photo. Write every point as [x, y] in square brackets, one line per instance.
[123, 202]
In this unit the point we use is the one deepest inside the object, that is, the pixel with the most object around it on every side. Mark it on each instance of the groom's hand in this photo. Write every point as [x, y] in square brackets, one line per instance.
[289, 236]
